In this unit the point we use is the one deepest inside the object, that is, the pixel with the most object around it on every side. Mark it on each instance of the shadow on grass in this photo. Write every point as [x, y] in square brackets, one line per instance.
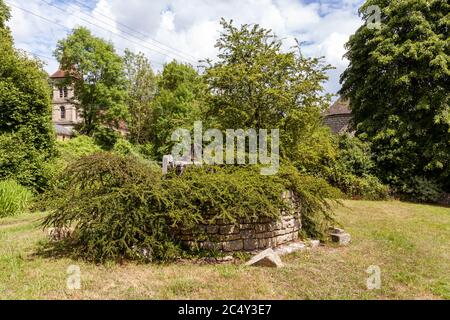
[56, 250]
[68, 249]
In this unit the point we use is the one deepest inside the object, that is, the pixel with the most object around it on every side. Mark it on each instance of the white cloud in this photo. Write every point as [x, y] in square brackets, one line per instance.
[190, 27]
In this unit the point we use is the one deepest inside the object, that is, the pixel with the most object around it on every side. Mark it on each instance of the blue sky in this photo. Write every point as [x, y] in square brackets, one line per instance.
[185, 29]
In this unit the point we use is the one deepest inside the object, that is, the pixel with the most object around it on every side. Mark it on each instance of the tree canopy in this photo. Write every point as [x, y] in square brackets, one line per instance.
[5, 14]
[180, 102]
[256, 84]
[26, 132]
[96, 72]
[141, 88]
[398, 84]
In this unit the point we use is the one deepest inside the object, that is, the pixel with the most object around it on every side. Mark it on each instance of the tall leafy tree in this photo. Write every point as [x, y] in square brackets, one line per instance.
[141, 87]
[180, 102]
[97, 74]
[27, 136]
[5, 15]
[399, 87]
[256, 84]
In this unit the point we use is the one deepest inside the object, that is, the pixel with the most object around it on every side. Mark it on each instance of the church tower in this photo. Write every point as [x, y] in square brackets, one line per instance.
[65, 116]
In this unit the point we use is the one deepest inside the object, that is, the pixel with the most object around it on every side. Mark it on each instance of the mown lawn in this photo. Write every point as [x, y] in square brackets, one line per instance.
[409, 242]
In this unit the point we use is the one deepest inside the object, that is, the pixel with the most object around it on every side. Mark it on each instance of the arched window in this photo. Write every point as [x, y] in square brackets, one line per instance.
[63, 92]
[63, 112]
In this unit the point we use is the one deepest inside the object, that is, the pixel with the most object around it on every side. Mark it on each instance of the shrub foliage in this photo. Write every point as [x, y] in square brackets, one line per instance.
[114, 203]
[352, 170]
[120, 206]
[21, 161]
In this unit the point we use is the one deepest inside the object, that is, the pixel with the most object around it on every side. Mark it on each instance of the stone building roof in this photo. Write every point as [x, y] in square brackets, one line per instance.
[339, 116]
[341, 106]
[58, 74]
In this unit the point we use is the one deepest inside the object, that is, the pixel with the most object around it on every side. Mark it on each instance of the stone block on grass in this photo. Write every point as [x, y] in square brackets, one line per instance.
[268, 258]
[342, 239]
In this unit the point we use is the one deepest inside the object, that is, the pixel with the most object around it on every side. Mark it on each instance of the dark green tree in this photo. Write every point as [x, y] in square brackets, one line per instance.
[27, 136]
[96, 72]
[255, 84]
[398, 84]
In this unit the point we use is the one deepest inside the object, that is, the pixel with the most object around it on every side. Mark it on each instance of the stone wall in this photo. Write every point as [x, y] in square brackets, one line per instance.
[338, 123]
[246, 235]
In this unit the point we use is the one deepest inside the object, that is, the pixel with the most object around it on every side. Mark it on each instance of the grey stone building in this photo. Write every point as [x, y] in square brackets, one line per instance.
[339, 116]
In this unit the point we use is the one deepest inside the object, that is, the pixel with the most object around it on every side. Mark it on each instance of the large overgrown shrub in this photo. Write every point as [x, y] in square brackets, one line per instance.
[120, 206]
[68, 152]
[234, 192]
[228, 193]
[366, 187]
[143, 153]
[106, 137]
[115, 204]
[354, 156]
[14, 198]
[315, 196]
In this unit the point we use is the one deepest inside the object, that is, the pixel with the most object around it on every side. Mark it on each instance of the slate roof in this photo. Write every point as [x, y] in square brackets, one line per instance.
[340, 107]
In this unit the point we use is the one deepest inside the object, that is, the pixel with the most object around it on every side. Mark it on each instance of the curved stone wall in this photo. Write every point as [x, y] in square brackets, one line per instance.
[246, 235]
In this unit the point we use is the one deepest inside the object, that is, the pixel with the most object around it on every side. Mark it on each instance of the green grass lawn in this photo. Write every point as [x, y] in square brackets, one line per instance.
[409, 242]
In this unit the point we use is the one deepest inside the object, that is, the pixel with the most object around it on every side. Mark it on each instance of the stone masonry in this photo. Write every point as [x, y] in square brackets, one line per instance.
[338, 123]
[246, 235]
[338, 117]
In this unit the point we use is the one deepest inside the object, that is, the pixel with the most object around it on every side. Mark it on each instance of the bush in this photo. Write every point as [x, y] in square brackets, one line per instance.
[228, 193]
[68, 152]
[115, 206]
[352, 170]
[106, 137]
[147, 151]
[367, 187]
[20, 161]
[120, 206]
[78, 147]
[421, 189]
[371, 188]
[354, 156]
[236, 192]
[125, 148]
[14, 198]
[315, 195]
